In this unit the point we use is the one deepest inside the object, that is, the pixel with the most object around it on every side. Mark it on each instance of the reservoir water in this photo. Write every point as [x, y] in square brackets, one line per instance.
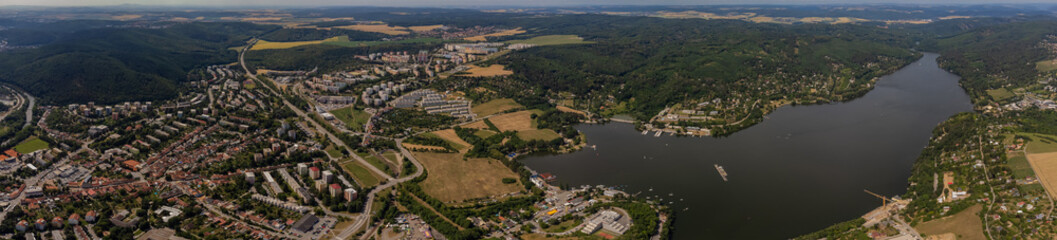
[802, 169]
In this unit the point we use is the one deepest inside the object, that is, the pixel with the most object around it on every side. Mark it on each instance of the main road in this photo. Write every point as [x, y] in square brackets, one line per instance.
[363, 220]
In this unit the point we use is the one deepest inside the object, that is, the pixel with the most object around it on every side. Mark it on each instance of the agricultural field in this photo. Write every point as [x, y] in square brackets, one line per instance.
[1040, 143]
[538, 134]
[378, 28]
[495, 106]
[484, 133]
[453, 179]
[1000, 94]
[483, 38]
[1045, 166]
[360, 173]
[264, 45]
[424, 28]
[353, 118]
[31, 144]
[965, 224]
[547, 40]
[490, 71]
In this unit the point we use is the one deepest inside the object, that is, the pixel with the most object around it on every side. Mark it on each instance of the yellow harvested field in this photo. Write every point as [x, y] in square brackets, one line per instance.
[495, 106]
[416, 147]
[476, 125]
[451, 137]
[263, 45]
[570, 110]
[482, 38]
[452, 179]
[965, 224]
[515, 121]
[1045, 167]
[424, 28]
[490, 71]
[378, 28]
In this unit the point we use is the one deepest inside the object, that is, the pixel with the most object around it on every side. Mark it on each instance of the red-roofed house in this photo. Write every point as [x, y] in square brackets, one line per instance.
[11, 153]
[335, 189]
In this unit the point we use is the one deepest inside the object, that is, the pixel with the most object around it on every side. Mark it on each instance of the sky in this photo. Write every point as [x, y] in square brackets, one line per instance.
[455, 3]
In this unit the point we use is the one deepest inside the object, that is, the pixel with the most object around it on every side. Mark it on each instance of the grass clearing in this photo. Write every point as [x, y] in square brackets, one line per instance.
[965, 224]
[563, 226]
[1020, 166]
[482, 38]
[353, 118]
[570, 110]
[264, 45]
[360, 173]
[485, 133]
[391, 157]
[333, 152]
[449, 135]
[1045, 167]
[490, 71]
[495, 106]
[546, 40]
[1040, 143]
[452, 179]
[1046, 65]
[416, 147]
[377, 163]
[515, 121]
[538, 134]
[375, 43]
[1000, 94]
[31, 144]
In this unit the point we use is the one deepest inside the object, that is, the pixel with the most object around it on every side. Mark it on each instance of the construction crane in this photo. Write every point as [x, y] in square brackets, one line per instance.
[884, 200]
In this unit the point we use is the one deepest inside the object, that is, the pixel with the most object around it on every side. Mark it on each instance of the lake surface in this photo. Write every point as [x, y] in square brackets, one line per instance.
[800, 170]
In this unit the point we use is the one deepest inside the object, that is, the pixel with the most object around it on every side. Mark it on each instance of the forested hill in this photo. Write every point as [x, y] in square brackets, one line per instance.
[649, 63]
[996, 56]
[110, 65]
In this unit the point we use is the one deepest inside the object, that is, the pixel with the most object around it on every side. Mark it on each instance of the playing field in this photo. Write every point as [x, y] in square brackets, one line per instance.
[264, 45]
[360, 173]
[965, 224]
[483, 38]
[1046, 65]
[353, 118]
[452, 138]
[552, 40]
[1045, 166]
[378, 28]
[490, 71]
[538, 134]
[451, 178]
[515, 121]
[495, 106]
[31, 144]
[1000, 94]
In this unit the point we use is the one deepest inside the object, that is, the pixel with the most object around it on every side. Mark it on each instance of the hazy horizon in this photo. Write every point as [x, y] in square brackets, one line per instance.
[480, 3]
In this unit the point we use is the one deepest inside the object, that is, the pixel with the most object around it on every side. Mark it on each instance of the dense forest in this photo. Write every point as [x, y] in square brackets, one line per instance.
[675, 60]
[110, 65]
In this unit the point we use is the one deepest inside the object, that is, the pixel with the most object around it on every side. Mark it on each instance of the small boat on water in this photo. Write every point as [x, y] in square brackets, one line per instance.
[722, 173]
